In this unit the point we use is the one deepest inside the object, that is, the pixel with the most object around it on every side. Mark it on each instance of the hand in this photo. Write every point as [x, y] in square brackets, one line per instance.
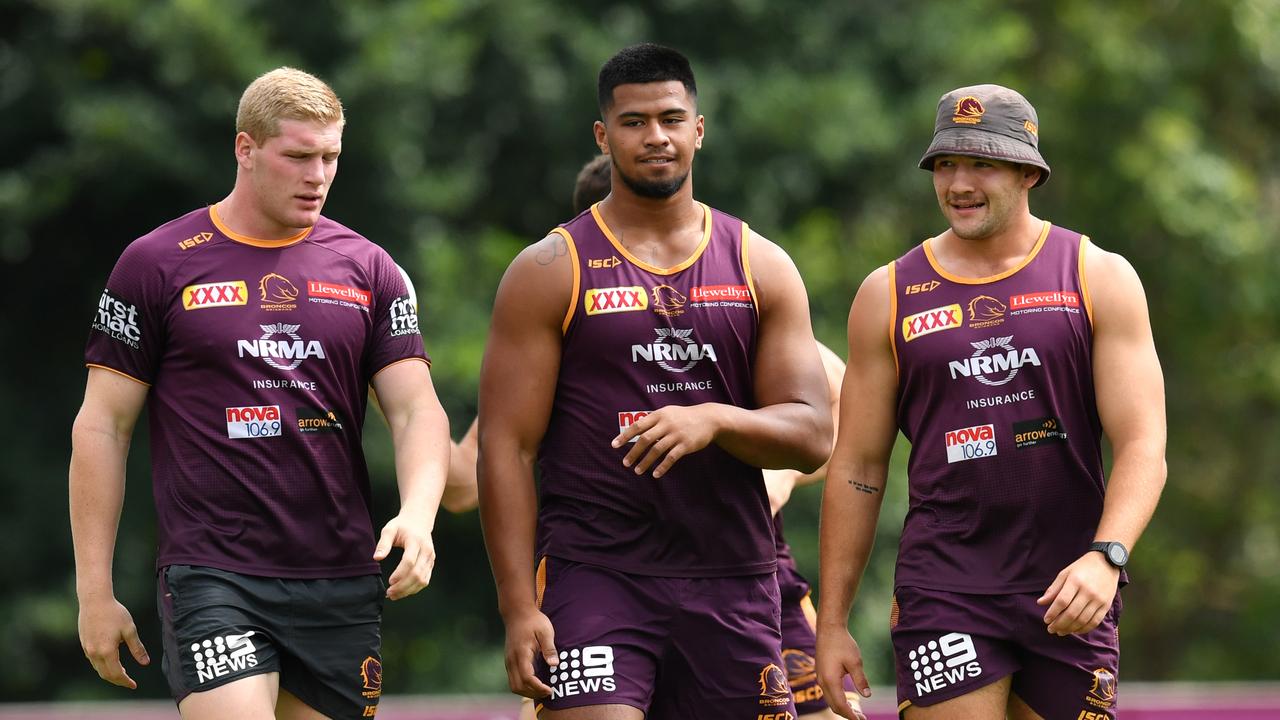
[104, 624]
[1081, 595]
[838, 656]
[667, 434]
[528, 633]
[419, 558]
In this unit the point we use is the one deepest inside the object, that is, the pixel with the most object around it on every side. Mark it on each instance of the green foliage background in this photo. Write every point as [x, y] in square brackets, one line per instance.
[468, 120]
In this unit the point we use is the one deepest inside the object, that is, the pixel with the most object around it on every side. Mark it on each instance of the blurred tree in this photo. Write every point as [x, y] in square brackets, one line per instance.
[467, 123]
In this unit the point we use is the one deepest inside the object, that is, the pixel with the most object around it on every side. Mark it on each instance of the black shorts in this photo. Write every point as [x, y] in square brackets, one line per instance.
[322, 636]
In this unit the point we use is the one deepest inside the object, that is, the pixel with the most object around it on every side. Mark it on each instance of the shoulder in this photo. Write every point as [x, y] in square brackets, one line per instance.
[165, 248]
[1114, 288]
[772, 270]
[541, 277]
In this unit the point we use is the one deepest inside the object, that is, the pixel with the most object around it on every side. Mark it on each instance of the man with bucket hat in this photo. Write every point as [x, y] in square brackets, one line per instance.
[1012, 344]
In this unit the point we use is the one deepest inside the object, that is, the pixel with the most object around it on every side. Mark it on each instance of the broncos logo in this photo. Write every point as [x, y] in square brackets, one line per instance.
[371, 673]
[773, 683]
[1104, 684]
[986, 311]
[668, 300]
[969, 110]
[277, 289]
[800, 666]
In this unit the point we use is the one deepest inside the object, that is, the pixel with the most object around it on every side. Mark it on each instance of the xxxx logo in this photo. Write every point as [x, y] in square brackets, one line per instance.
[601, 301]
[219, 294]
[931, 321]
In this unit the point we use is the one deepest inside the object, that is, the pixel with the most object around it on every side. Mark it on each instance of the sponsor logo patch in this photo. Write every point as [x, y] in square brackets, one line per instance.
[118, 319]
[675, 351]
[194, 240]
[404, 317]
[212, 295]
[583, 671]
[774, 690]
[222, 655]
[995, 361]
[931, 321]
[603, 263]
[986, 311]
[279, 353]
[277, 293]
[668, 301]
[630, 417]
[1029, 433]
[716, 293]
[1048, 301]
[602, 301]
[314, 420]
[944, 662]
[971, 443]
[253, 421]
[333, 291]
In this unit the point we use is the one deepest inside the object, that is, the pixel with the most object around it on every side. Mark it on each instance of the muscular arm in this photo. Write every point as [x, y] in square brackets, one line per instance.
[517, 388]
[790, 427]
[460, 494]
[100, 441]
[420, 436]
[854, 490]
[1130, 393]
[780, 483]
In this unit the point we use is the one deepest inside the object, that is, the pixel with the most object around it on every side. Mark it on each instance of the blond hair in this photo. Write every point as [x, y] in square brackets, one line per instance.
[285, 94]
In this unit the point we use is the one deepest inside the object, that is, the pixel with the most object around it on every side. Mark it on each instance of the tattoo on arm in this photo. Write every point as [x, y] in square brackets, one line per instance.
[863, 487]
[553, 250]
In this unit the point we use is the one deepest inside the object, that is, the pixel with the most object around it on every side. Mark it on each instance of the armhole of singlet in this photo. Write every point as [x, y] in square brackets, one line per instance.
[1084, 280]
[577, 277]
[746, 270]
[893, 315]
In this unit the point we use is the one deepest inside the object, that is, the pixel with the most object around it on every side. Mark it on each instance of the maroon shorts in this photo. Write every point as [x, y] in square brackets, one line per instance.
[798, 647]
[948, 644]
[672, 647]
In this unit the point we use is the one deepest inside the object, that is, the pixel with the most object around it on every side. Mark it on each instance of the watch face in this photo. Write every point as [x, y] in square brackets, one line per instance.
[1117, 554]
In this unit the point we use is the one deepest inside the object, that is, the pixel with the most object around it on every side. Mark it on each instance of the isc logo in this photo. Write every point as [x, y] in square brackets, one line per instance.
[603, 263]
[195, 240]
[1090, 715]
[784, 715]
[921, 287]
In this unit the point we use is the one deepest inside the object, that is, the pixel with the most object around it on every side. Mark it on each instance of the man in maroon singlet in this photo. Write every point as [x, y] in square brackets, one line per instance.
[651, 354]
[1012, 343]
[252, 330]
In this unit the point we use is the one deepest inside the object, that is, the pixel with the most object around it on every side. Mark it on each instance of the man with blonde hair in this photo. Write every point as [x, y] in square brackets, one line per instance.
[254, 328]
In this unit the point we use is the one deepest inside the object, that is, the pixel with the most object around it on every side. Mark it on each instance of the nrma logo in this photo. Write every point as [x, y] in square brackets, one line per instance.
[222, 655]
[994, 362]
[280, 353]
[675, 351]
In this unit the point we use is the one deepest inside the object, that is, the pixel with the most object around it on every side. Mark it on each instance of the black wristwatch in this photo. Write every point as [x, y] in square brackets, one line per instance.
[1115, 553]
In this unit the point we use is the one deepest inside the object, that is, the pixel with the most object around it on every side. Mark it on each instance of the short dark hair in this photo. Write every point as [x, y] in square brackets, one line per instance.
[644, 63]
[594, 182]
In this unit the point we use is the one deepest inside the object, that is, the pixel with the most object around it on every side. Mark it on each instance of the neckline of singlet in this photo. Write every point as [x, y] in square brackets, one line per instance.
[255, 242]
[684, 264]
[937, 267]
